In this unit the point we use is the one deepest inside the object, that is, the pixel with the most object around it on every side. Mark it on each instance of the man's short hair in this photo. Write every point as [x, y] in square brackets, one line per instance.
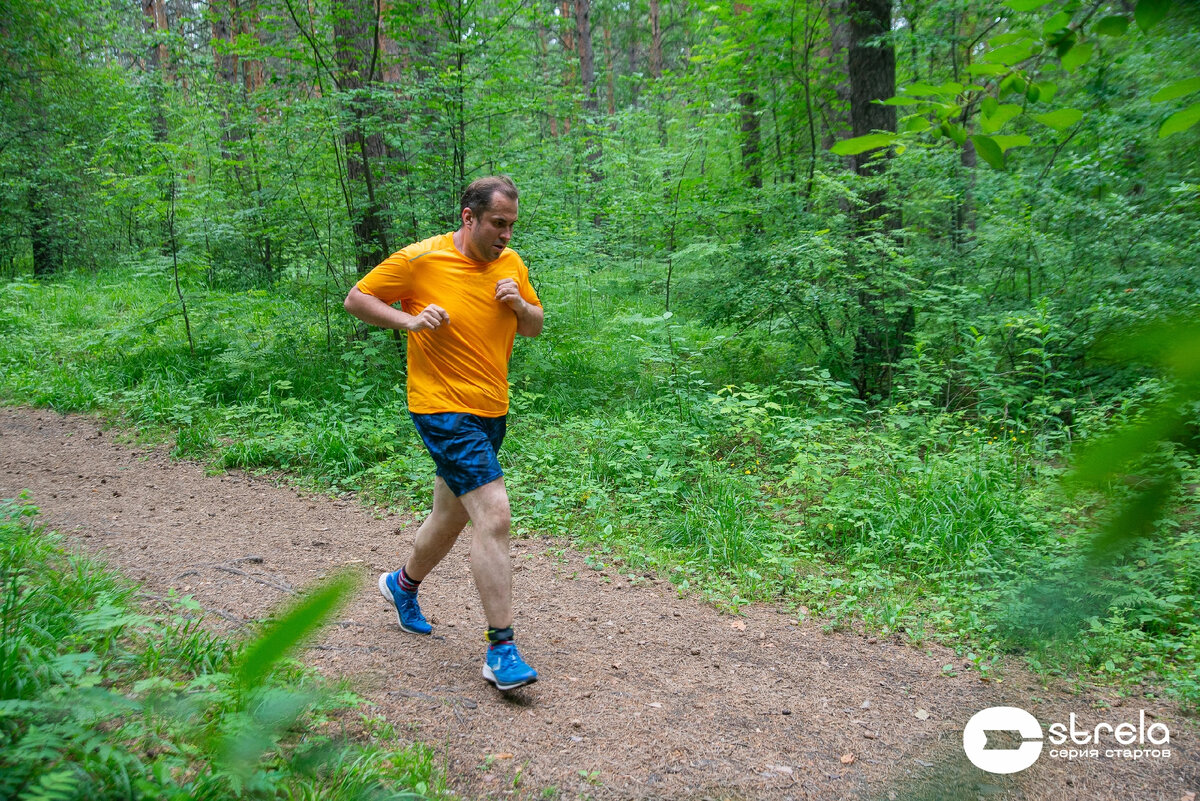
[478, 196]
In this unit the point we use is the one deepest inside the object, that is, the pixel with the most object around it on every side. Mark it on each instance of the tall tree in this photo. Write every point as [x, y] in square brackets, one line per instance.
[749, 121]
[587, 84]
[155, 20]
[356, 51]
[656, 53]
[871, 68]
[886, 318]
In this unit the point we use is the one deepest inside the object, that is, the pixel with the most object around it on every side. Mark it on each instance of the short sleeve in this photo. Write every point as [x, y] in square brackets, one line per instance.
[525, 287]
[390, 281]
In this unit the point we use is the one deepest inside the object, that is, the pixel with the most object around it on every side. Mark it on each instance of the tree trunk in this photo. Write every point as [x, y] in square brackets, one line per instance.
[47, 254]
[252, 68]
[388, 47]
[587, 65]
[751, 139]
[656, 58]
[357, 56]
[225, 64]
[156, 59]
[570, 51]
[750, 122]
[587, 81]
[631, 52]
[872, 69]
[610, 72]
[155, 12]
[885, 320]
[837, 114]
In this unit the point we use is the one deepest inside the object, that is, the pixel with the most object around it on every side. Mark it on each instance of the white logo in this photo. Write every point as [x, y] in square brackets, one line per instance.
[987, 748]
[993, 721]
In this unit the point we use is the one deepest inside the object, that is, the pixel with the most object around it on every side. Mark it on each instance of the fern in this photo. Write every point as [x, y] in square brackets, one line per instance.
[60, 785]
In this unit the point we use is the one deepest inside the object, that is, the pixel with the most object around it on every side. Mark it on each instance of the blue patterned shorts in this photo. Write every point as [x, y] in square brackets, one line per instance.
[463, 446]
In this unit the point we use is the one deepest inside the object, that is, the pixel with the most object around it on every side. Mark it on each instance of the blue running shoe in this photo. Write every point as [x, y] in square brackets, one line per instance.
[504, 667]
[407, 610]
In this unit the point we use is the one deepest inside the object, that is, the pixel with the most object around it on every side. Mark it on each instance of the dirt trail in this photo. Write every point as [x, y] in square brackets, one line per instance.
[643, 694]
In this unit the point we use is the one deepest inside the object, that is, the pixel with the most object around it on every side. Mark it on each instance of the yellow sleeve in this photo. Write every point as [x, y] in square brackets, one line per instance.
[390, 281]
[526, 288]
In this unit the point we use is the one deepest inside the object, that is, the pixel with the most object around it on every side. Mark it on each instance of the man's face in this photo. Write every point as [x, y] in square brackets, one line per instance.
[488, 234]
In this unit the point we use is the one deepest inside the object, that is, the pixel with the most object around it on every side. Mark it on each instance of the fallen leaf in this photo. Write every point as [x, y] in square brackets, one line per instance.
[847, 759]
[921, 714]
[656, 705]
[737, 624]
[504, 755]
[780, 769]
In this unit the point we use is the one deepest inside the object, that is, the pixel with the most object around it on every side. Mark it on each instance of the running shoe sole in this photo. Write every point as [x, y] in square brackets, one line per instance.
[490, 676]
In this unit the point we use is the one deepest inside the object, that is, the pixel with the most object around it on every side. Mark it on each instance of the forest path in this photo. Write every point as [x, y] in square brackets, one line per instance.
[642, 694]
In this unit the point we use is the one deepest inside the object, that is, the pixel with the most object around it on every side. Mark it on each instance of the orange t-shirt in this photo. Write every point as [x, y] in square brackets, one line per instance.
[461, 366]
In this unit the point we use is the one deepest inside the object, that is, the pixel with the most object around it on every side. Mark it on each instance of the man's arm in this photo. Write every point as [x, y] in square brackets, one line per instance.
[530, 317]
[373, 311]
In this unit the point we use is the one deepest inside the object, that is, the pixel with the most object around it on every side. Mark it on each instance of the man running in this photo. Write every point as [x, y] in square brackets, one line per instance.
[463, 297]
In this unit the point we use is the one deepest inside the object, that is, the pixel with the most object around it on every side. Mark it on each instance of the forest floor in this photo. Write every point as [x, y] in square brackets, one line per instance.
[643, 694]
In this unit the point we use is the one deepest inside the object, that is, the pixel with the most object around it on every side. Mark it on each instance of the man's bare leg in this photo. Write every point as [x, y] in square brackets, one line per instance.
[491, 564]
[434, 540]
[438, 533]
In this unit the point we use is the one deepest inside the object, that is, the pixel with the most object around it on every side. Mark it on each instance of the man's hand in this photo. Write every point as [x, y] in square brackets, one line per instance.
[507, 292]
[529, 315]
[431, 317]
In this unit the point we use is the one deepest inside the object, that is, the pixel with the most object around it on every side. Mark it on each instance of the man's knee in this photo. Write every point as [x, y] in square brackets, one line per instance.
[448, 524]
[496, 523]
[488, 508]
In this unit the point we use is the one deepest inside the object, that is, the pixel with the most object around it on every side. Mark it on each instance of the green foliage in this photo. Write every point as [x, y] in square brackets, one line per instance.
[1032, 49]
[100, 701]
[919, 517]
[702, 400]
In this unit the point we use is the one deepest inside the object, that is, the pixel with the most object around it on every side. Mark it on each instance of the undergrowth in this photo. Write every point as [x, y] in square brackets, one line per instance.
[926, 521]
[99, 700]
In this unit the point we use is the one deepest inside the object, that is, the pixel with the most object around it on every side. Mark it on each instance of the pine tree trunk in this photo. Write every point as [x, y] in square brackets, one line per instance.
[587, 81]
[656, 57]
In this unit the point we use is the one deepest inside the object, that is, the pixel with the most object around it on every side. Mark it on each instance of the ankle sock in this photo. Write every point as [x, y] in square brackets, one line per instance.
[499, 636]
[406, 583]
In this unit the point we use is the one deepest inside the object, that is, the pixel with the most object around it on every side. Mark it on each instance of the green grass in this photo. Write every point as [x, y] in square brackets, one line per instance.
[99, 700]
[783, 489]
